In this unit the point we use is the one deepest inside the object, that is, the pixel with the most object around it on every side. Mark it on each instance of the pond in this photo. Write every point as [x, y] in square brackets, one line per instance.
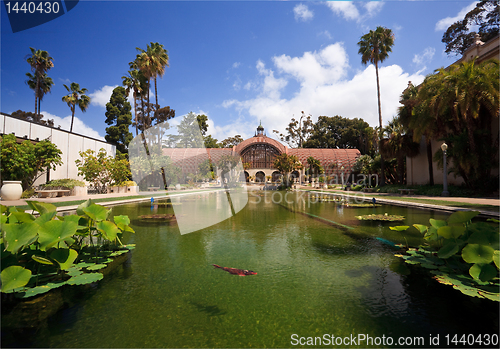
[320, 273]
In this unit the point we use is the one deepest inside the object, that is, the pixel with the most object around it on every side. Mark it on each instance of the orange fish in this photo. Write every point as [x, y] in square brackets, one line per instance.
[235, 271]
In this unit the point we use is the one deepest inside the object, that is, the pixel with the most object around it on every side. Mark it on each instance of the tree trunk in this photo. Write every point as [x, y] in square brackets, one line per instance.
[72, 118]
[135, 112]
[429, 160]
[382, 167]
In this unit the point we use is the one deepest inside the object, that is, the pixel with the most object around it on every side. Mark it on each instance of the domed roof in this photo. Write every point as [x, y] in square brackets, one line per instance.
[259, 140]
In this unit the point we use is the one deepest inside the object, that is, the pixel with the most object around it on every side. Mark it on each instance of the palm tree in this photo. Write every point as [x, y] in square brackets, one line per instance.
[374, 47]
[398, 144]
[152, 62]
[76, 97]
[45, 83]
[40, 63]
[134, 81]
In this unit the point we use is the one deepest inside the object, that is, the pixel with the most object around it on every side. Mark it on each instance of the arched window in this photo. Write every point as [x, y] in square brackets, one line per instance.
[260, 155]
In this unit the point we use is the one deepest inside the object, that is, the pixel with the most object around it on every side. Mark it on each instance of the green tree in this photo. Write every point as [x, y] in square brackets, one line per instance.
[463, 101]
[315, 167]
[40, 63]
[136, 82]
[398, 144]
[118, 114]
[230, 142]
[27, 161]
[189, 134]
[44, 84]
[152, 63]
[286, 164]
[297, 132]
[374, 47]
[32, 117]
[76, 97]
[210, 142]
[339, 132]
[460, 35]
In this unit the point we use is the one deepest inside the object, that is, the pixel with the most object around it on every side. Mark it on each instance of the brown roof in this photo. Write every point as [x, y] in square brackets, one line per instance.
[259, 139]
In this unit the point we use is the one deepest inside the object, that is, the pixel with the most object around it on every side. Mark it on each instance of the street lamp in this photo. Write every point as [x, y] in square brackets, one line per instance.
[445, 192]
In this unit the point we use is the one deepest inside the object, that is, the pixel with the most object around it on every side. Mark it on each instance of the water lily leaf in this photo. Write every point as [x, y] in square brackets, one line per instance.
[74, 270]
[14, 277]
[97, 266]
[129, 246]
[85, 278]
[79, 210]
[400, 228]
[64, 257]
[117, 253]
[483, 272]
[431, 234]
[53, 232]
[19, 235]
[122, 222]
[475, 253]
[490, 295]
[21, 217]
[420, 227]
[448, 250]
[3, 209]
[484, 234]
[461, 217]
[436, 223]
[108, 229]
[451, 231]
[3, 220]
[469, 291]
[493, 220]
[496, 258]
[36, 291]
[41, 207]
[45, 217]
[42, 260]
[96, 212]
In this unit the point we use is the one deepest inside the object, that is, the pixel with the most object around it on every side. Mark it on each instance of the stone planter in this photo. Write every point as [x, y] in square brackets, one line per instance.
[133, 189]
[11, 190]
[78, 191]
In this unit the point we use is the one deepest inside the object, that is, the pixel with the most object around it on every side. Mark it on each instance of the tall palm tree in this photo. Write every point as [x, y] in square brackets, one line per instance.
[152, 63]
[76, 97]
[40, 63]
[45, 83]
[374, 47]
[135, 82]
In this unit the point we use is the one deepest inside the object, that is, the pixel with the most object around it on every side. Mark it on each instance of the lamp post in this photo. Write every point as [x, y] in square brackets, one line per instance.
[445, 192]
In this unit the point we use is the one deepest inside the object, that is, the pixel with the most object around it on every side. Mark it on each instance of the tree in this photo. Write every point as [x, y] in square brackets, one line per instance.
[286, 164]
[202, 122]
[27, 161]
[76, 97]
[459, 36]
[189, 134]
[135, 82]
[315, 167]
[298, 132]
[463, 101]
[398, 144]
[339, 132]
[230, 142]
[32, 117]
[118, 114]
[418, 123]
[374, 47]
[44, 84]
[210, 142]
[40, 63]
[152, 63]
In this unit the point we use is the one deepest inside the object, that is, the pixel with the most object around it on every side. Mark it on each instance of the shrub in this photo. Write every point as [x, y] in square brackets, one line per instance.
[64, 183]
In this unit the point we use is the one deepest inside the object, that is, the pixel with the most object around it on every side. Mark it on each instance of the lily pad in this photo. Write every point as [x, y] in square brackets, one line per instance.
[108, 229]
[19, 235]
[483, 272]
[97, 267]
[53, 232]
[461, 217]
[14, 277]
[96, 212]
[85, 278]
[381, 217]
[64, 257]
[41, 207]
[475, 253]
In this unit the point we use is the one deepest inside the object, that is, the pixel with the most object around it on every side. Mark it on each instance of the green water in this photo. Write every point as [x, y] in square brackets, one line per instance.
[314, 277]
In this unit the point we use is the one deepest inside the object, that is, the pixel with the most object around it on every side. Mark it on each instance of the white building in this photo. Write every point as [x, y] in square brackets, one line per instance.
[71, 144]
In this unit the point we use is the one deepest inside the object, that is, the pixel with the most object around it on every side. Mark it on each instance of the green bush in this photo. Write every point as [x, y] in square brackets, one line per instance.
[127, 184]
[64, 183]
[29, 193]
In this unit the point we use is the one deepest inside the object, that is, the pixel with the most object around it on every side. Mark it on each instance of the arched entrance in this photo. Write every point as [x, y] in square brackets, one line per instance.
[295, 174]
[246, 177]
[276, 176]
[260, 177]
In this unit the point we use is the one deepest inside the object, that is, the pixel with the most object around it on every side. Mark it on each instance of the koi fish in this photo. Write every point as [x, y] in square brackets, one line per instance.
[235, 271]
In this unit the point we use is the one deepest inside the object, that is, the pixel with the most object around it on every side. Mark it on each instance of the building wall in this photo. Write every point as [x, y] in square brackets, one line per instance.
[69, 143]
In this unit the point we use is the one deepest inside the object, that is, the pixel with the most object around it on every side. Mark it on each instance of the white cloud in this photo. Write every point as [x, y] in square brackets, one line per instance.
[345, 9]
[324, 89]
[373, 8]
[236, 64]
[302, 13]
[444, 23]
[79, 126]
[425, 57]
[325, 33]
[102, 96]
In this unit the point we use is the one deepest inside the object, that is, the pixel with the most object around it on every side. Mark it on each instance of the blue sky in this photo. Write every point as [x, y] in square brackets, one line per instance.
[238, 62]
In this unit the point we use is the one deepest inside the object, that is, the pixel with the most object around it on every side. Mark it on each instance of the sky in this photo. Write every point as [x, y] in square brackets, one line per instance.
[241, 63]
